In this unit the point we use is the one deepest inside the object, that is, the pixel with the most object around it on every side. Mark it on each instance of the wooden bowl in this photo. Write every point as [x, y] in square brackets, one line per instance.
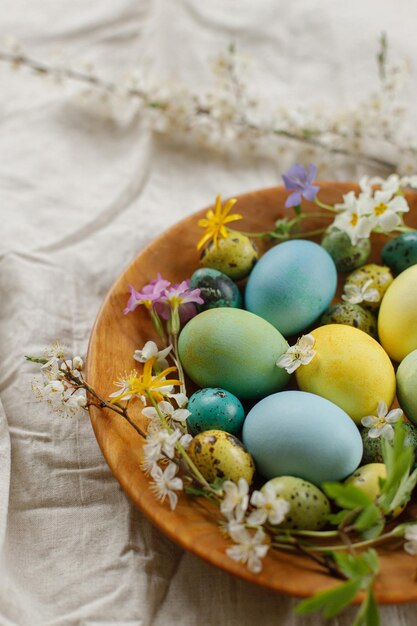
[114, 338]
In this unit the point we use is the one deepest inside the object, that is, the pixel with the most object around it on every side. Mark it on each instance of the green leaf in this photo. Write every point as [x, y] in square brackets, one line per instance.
[374, 531]
[367, 518]
[331, 601]
[337, 518]
[346, 496]
[352, 566]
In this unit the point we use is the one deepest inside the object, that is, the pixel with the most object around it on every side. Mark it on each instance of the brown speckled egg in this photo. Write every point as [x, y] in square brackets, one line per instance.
[218, 454]
[235, 256]
[308, 505]
[352, 315]
[381, 277]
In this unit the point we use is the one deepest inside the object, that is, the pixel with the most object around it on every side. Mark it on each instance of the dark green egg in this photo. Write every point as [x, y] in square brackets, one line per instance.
[216, 289]
[372, 447]
[352, 315]
[344, 253]
[401, 252]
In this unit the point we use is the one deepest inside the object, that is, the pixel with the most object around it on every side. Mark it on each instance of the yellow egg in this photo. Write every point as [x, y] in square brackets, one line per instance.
[234, 255]
[350, 369]
[397, 321]
[381, 277]
[366, 478]
[219, 454]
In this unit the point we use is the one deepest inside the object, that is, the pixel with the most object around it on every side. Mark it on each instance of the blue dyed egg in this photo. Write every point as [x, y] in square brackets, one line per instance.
[300, 434]
[292, 285]
[215, 408]
[216, 289]
[401, 252]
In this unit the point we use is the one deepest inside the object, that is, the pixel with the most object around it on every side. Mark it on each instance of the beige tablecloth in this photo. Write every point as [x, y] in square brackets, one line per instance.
[81, 194]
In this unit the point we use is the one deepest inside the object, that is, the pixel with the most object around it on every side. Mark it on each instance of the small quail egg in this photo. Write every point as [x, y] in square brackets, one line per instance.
[234, 255]
[308, 505]
[401, 252]
[366, 478]
[372, 447]
[352, 315]
[215, 408]
[216, 289]
[381, 278]
[218, 454]
[344, 253]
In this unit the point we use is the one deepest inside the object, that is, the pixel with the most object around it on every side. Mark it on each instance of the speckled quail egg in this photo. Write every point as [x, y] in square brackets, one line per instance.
[218, 454]
[372, 447]
[380, 276]
[352, 315]
[366, 478]
[308, 505]
[216, 289]
[234, 255]
[401, 252]
[215, 408]
[346, 255]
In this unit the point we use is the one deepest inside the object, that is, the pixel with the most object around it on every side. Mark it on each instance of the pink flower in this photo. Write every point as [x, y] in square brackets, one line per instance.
[179, 298]
[149, 295]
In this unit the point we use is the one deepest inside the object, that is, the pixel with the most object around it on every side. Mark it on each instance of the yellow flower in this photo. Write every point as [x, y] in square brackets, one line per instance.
[215, 221]
[146, 384]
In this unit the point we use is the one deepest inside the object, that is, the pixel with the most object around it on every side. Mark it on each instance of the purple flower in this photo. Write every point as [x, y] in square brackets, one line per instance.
[300, 182]
[149, 295]
[179, 297]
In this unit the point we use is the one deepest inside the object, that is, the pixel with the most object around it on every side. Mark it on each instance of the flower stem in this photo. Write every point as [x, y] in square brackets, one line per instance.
[323, 205]
[174, 341]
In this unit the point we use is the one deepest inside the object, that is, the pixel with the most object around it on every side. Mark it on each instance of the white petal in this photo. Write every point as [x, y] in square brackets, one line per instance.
[382, 409]
[411, 547]
[388, 221]
[257, 498]
[150, 412]
[368, 421]
[165, 407]
[173, 499]
[393, 416]
[387, 432]
[257, 517]
[374, 433]
[372, 295]
[306, 342]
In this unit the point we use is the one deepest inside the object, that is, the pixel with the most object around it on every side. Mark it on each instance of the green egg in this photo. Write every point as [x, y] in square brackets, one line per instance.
[344, 253]
[352, 315]
[216, 289]
[234, 255]
[381, 277]
[234, 350]
[218, 454]
[407, 386]
[372, 447]
[401, 252]
[308, 505]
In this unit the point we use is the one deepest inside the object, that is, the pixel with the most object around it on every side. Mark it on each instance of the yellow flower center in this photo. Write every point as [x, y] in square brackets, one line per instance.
[380, 209]
[354, 219]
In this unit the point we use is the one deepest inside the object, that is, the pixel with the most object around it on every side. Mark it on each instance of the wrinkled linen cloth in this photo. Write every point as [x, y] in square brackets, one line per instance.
[81, 195]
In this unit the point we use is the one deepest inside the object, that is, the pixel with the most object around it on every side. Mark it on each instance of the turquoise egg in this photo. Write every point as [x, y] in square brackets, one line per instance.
[407, 386]
[216, 289]
[292, 285]
[295, 433]
[235, 350]
[401, 252]
[215, 409]
[346, 255]
[352, 315]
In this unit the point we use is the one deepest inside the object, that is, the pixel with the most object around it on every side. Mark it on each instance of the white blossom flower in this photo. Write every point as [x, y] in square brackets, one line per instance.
[355, 217]
[391, 184]
[409, 181]
[162, 441]
[411, 535]
[180, 398]
[269, 507]
[250, 548]
[123, 385]
[150, 351]
[356, 294]
[173, 417]
[77, 363]
[236, 498]
[386, 209]
[185, 440]
[166, 484]
[54, 388]
[301, 353]
[380, 425]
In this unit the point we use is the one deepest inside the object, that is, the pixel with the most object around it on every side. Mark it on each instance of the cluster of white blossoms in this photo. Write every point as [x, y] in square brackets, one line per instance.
[245, 529]
[379, 207]
[61, 384]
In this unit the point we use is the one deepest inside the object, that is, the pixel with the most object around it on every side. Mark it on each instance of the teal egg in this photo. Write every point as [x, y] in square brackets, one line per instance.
[372, 447]
[292, 285]
[352, 315]
[235, 350]
[215, 409]
[401, 252]
[346, 255]
[407, 386]
[295, 433]
[216, 289]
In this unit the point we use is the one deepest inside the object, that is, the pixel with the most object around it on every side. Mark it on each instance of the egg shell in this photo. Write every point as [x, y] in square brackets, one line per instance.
[234, 255]
[216, 289]
[235, 350]
[346, 255]
[352, 315]
[366, 478]
[407, 386]
[215, 409]
[372, 452]
[292, 285]
[218, 454]
[308, 505]
[350, 368]
[397, 320]
[401, 252]
[381, 277]
[293, 433]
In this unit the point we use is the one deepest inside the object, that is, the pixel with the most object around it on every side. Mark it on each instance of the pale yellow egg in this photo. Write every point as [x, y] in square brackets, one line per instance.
[397, 321]
[350, 369]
